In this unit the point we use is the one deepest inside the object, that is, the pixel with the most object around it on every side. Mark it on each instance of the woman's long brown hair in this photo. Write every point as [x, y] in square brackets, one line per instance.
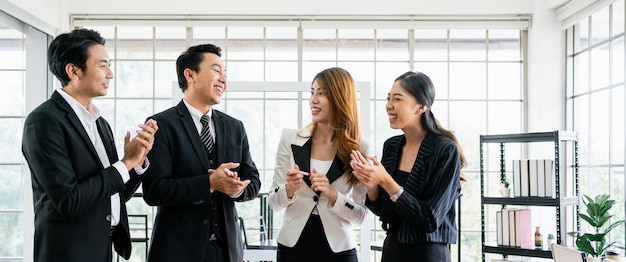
[344, 116]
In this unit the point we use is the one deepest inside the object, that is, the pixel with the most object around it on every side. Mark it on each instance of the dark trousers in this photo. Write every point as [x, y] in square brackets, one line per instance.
[313, 246]
[215, 251]
[394, 251]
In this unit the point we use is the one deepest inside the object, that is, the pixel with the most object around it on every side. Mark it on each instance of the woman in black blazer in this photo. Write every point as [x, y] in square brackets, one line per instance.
[414, 186]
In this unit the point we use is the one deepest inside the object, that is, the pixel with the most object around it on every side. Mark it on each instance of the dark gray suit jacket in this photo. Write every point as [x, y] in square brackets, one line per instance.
[425, 211]
[178, 183]
[71, 188]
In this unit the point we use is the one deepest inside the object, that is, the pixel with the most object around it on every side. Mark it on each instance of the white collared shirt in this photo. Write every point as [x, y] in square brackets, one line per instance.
[196, 115]
[88, 117]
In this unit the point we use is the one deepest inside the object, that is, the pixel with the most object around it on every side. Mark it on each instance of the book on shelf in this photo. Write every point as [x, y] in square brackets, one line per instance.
[523, 228]
[505, 227]
[499, 228]
[525, 183]
[532, 177]
[517, 185]
[511, 228]
[541, 178]
[549, 177]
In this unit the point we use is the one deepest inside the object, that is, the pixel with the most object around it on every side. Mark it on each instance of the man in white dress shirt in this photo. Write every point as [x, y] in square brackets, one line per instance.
[79, 186]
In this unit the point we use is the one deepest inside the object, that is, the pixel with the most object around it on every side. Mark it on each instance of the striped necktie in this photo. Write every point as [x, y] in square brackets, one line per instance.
[205, 134]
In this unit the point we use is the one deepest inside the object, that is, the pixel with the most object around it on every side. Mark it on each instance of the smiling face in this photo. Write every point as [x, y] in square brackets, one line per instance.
[206, 87]
[402, 108]
[94, 80]
[319, 103]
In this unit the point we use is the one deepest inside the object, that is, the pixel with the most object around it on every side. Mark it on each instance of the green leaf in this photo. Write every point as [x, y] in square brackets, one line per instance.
[587, 199]
[596, 237]
[613, 225]
[602, 220]
[587, 218]
[593, 209]
[585, 246]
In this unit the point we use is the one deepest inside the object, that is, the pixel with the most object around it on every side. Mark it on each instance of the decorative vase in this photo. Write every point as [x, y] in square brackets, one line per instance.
[506, 192]
[550, 241]
[594, 259]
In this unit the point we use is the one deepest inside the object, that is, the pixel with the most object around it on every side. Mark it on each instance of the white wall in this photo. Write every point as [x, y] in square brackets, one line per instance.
[46, 15]
[546, 75]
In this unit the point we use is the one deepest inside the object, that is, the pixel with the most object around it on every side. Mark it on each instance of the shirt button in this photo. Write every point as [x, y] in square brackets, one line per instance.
[211, 162]
[206, 222]
[315, 198]
[108, 218]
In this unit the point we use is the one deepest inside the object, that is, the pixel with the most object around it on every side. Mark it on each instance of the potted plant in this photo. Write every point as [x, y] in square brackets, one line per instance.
[550, 240]
[594, 243]
[505, 191]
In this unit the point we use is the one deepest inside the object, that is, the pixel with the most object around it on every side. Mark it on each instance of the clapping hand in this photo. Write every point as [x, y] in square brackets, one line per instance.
[136, 149]
[225, 180]
[369, 174]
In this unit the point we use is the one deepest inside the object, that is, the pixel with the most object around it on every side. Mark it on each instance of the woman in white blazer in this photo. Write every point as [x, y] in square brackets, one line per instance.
[313, 181]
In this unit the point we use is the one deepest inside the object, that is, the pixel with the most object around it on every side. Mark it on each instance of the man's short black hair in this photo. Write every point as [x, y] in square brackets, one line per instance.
[191, 59]
[71, 48]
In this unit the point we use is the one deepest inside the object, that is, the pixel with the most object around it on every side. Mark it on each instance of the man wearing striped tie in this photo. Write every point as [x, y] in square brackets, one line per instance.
[201, 165]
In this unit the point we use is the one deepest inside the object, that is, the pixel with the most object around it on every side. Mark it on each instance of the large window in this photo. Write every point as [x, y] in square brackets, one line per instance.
[21, 49]
[12, 70]
[477, 74]
[595, 104]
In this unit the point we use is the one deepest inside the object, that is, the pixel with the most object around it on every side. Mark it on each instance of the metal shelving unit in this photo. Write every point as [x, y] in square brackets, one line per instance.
[558, 202]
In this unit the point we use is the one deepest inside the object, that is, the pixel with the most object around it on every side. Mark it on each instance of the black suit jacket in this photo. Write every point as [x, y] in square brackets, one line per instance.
[71, 188]
[425, 211]
[178, 183]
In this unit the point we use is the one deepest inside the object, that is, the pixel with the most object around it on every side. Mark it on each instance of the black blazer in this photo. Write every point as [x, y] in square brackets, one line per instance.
[178, 183]
[425, 211]
[71, 188]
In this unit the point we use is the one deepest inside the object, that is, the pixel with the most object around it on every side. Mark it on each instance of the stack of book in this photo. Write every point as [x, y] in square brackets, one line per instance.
[533, 178]
[514, 228]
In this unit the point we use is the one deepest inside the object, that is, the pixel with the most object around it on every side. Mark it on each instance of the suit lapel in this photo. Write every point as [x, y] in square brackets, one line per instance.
[335, 170]
[192, 133]
[419, 172]
[72, 118]
[302, 158]
[392, 155]
[220, 135]
[107, 139]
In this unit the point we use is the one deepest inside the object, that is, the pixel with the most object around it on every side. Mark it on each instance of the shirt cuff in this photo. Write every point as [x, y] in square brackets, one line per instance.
[140, 169]
[121, 169]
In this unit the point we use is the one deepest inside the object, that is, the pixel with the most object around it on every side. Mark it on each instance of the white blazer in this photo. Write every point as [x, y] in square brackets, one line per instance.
[337, 220]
